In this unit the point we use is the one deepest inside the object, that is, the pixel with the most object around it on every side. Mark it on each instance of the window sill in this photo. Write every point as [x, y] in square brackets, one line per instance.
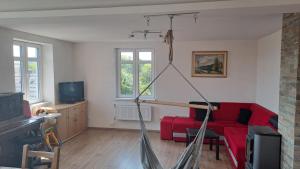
[132, 99]
[35, 106]
[38, 103]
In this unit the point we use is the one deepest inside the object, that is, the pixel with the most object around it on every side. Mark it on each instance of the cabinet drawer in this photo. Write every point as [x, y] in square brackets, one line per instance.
[75, 109]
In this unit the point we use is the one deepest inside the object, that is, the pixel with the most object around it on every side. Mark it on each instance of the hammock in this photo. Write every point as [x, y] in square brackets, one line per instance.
[190, 158]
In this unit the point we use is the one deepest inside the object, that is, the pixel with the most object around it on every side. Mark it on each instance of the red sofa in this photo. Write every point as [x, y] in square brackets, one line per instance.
[224, 123]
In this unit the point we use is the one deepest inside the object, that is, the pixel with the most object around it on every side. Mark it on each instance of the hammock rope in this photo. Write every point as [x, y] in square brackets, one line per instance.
[190, 158]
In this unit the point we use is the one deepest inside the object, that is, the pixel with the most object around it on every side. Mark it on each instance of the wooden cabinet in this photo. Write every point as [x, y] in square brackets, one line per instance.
[62, 124]
[82, 115]
[73, 120]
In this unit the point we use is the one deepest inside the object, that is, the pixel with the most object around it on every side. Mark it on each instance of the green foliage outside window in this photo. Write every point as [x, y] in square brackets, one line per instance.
[127, 79]
[145, 78]
[32, 67]
[135, 69]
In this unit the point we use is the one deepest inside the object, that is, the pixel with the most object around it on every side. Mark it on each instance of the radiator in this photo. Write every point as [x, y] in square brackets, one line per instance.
[129, 112]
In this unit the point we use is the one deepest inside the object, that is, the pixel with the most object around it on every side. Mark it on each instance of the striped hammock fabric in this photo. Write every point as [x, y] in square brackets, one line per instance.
[190, 158]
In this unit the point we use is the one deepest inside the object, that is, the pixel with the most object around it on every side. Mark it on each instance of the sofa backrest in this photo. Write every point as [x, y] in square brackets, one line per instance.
[260, 115]
[229, 111]
[192, 113]
[193, 110]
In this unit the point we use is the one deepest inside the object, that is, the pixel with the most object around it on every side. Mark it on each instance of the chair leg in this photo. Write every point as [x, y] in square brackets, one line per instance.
[55, 161]
[25, 156]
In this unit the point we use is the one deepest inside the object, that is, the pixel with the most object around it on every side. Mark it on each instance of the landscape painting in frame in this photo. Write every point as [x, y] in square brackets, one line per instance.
[209, 64]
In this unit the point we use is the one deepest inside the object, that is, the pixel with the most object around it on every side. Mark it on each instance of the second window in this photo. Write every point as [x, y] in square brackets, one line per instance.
[135, 72]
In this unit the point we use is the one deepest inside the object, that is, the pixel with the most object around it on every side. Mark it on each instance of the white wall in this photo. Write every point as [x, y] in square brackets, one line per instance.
[62, 60]
[48, 73]
[6, 63]
[96, 64]
[253, 73]
[268, 71]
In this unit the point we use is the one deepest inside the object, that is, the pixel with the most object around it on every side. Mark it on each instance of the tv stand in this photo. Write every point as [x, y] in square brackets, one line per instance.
[73, 119]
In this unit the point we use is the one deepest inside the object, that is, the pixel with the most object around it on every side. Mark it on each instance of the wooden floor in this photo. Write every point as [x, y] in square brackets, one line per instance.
[116, 149]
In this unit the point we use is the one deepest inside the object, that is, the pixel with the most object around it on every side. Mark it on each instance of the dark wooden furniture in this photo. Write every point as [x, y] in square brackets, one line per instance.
[16, 130]
[209, 135]
[14, 135]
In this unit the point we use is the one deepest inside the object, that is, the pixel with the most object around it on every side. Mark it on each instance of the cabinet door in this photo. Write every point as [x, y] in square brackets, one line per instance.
[74, 127]
[83, 117]
[62, 124]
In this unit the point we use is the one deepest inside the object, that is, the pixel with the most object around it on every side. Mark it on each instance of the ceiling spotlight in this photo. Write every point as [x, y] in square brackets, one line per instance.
[171, 16]
[147, 20]
[145, 33]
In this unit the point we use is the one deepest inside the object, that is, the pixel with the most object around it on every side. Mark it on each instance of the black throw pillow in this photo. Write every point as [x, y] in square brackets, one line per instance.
[274, 121]
[244, 116]
[201, 113]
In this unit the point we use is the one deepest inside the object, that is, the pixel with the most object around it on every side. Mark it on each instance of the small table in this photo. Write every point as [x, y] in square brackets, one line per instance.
[209, 134]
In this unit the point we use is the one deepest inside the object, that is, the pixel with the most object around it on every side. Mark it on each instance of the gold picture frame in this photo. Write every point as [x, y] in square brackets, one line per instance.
[209, 64]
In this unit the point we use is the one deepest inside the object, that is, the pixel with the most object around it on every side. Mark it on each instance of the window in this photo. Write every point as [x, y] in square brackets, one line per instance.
[27, 61]
[135, 72]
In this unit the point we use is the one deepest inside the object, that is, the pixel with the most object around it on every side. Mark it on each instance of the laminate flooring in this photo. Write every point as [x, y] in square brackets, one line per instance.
[119, 149]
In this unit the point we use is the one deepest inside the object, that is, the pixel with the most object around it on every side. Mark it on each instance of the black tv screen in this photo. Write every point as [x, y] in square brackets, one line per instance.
[71, 92]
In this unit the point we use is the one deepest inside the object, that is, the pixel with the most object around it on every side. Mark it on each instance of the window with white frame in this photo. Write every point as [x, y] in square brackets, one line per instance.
[135, 72]
[27, 66]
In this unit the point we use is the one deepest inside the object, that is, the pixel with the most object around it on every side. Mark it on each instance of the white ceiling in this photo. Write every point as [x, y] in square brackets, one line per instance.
[25, 5]
[216, 20]
[117, 28]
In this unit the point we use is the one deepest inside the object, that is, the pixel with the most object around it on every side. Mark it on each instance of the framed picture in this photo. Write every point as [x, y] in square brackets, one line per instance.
[209, 64]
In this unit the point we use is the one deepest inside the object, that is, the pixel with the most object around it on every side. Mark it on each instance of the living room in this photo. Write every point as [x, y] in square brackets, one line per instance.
[107, 52]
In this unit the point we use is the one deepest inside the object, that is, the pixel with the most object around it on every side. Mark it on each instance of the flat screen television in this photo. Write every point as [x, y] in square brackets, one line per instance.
[71, 92]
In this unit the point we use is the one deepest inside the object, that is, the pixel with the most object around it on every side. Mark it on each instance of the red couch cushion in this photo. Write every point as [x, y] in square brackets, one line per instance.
[260, 115]
[229, 111]
[236, 139]
[192, 113]
[166, 132]
[218, 126]
[223, 124]
[211, 125]
[180, 124]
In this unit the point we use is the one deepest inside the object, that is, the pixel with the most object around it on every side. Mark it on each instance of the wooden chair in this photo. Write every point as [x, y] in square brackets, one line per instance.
[52, 156]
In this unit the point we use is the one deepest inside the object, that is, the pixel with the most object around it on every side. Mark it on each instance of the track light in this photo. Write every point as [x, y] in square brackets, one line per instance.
[145, 33]
[147, 20]
[171, 16]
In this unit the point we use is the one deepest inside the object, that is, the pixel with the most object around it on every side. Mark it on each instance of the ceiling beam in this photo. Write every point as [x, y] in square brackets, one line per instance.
[281, 6]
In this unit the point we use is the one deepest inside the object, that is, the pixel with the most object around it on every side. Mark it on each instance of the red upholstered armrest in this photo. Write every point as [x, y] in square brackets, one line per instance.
[260, 115]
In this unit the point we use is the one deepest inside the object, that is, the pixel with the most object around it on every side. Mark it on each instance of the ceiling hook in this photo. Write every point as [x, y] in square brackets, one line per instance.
[171, 21]
[196, 17]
